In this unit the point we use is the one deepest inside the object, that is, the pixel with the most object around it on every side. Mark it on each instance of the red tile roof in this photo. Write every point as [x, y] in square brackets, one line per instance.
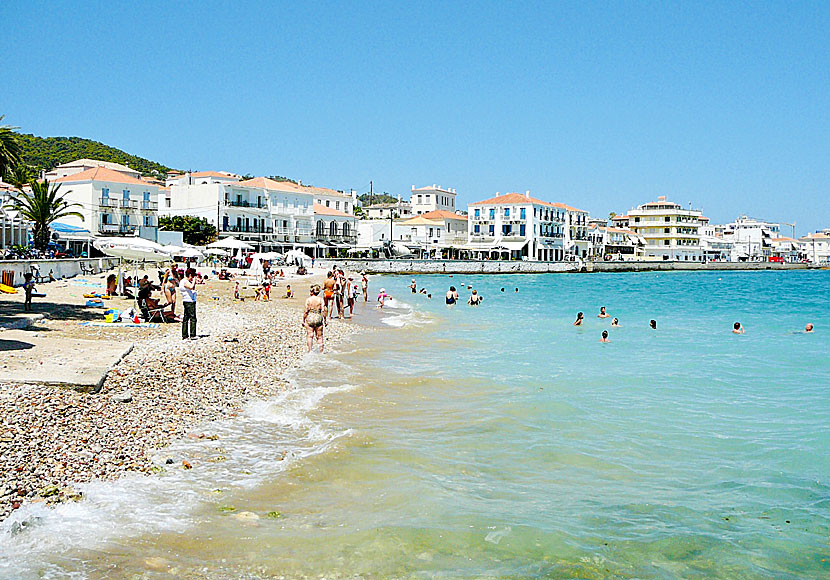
[567, 207]
[214, 174]
[512, 199]
[103, 174]
[320, 209]
[440, 214]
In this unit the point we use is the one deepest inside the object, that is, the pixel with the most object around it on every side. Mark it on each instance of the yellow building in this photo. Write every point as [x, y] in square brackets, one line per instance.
[670, 232]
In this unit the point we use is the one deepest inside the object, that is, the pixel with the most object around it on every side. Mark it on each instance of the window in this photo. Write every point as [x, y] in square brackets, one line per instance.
[477, 229]
[636, 220]
[492, 214]
[105, 193]
[333, 228]
[505, 230]
[346, 206]
[665, 242]
[478, 213]
[507, 212]
[125, 220]
[320, 228]
[106, 218]
[666, 230]
[125, 195]
[146, 196]
[492, 230]
[328, 203]
[345, 228]
[668, 219]
[522, 214]
[148, 221]
[336, 205]
[522, 229]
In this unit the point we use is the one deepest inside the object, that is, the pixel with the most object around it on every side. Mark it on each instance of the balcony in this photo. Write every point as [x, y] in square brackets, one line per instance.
[117, 228]
[108, 202]
[336, 238]
[248, 204]
[128, 203]
[247, 229]
[149, 205]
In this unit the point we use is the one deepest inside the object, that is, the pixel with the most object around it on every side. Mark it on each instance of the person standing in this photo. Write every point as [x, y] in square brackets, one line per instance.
[364, 283]
[28, 289]
[187, 288]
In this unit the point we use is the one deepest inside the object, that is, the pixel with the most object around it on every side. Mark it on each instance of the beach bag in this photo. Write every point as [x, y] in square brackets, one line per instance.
[111, 315]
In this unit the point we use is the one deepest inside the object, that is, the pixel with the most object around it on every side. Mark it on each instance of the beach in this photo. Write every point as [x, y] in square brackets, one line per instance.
[52, 438]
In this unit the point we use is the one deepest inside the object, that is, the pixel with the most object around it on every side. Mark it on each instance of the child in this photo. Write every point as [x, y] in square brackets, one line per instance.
[29, 288]
[236, 290]
[289, 293]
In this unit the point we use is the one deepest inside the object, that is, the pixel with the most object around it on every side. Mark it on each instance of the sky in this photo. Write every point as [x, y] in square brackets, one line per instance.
[602, 106]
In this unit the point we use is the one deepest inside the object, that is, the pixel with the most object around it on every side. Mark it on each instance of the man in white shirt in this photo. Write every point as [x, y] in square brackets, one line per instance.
[187, 288]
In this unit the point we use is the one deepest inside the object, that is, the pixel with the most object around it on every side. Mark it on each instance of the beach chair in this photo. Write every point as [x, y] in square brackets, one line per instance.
[37, 276]
[152, 312]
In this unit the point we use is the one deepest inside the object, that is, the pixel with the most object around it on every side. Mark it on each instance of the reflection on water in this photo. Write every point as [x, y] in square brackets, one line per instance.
[502, 442]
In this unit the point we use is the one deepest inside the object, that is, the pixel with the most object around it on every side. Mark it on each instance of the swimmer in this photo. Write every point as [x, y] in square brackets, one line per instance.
[809, 327]
[502, 289]
[429, 296]
[517, 289]
[602, 313]
[737, 328]
[653, 324]
[615, 323]
[580, 318]
[451, 295]
[413, 287]
[605, 337]
[475, 299]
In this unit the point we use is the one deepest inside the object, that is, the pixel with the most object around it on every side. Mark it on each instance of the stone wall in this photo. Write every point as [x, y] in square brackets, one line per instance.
[60, 268]
[509, 267]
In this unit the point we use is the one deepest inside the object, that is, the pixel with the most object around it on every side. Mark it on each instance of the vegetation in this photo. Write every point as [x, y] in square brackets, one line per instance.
[377, 198]
[44, 153]
[42, 206]
[9, 148]
[195, 230]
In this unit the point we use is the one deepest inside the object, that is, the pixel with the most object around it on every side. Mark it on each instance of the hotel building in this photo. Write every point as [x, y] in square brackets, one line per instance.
[670, 232]
[516, 226]
[434, 198]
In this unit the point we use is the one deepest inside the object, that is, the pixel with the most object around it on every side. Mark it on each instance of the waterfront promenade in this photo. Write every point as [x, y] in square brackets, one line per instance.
[404, 266]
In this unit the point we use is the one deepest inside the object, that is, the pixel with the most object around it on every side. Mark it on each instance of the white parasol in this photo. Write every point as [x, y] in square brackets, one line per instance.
[231, 243]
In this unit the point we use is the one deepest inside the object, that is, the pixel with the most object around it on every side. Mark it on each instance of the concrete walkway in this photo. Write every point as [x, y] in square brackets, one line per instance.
[36, 357]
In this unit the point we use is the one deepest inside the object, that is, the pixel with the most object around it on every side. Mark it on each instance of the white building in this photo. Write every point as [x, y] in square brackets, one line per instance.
[434, 198]
[816, 247]
[14, 230]
[435, 234]
[576, 242]
[112, 203]
[751, 239]
[336, 200]
[787, 249]
[200, 178]
[335, 231]
[516, 226]
[80, 165]
[385, 211]
[615, 243]
[670, 232]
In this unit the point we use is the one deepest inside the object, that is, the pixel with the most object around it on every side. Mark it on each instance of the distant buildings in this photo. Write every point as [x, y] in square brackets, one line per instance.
[432, 198]
[816, 247]
[670, 232]
[385, 211]
[751, 238]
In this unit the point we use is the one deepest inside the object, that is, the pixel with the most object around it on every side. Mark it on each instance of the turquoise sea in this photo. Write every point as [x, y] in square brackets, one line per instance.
[502, 442]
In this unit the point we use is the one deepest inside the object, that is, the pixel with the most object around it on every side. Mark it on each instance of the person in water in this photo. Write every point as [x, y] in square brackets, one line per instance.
[809, 327]
[413, 287]
[328, 293]
[475, 299]
[602, 313]
[605, 337]
[382, 296]
[314, 317]
[737, 328]
[615, 323]
[452, 295]
[653, 324]
[580, 318]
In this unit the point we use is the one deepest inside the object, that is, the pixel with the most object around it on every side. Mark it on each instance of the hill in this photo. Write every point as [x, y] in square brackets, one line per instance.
[47, 152]
[377, 198]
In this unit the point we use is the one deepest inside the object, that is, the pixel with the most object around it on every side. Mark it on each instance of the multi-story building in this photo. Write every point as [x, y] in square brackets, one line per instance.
[436, 234]
[332, 198]
[614, 243]
[787, 249]
[576, 242]
[516, 226]
[432, 198]
[816, 247]
[751, 239]
[670, 232]
[334, 231]
[385, 211]
[112, 203]
[14, 230]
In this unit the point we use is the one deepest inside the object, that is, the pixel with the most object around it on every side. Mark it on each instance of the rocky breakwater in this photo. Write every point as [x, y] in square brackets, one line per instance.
[52, 438]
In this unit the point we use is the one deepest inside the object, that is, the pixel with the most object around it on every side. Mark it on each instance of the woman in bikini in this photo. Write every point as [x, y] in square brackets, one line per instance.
[314, 317]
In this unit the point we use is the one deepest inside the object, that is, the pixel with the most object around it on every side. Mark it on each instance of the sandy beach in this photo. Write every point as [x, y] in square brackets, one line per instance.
[52, 438]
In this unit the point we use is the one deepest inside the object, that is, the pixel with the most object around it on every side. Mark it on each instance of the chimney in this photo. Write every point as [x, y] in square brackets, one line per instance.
[527, 194]
[498, 193]
[661, 198]
[300, 182]
[413, 188]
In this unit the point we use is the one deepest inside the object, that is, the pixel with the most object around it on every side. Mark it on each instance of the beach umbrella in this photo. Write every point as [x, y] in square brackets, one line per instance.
[231, 243]
[217, 252]
[297, 257]
[132, 249]
[184, 252]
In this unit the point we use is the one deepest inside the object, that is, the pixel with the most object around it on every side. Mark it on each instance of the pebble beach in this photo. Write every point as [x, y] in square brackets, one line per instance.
[53, 438]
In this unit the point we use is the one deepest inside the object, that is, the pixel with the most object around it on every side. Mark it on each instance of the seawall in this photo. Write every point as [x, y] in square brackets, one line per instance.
[63, 268]
[516, 267]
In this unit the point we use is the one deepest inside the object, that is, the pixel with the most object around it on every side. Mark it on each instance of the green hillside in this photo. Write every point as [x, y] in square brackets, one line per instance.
[47, 152]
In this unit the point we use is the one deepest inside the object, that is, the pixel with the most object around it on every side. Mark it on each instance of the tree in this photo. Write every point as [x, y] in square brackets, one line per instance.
[9, 148]
[612, 215]
[195, 230]
[42, 206]
[19, 176]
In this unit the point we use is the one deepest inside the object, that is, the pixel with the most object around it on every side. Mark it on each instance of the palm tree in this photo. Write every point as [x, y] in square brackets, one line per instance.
[19, 176]
[42, 207]
[9, 148]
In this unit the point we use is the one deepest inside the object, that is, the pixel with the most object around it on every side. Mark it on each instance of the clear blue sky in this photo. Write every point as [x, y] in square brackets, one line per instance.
[725, 105]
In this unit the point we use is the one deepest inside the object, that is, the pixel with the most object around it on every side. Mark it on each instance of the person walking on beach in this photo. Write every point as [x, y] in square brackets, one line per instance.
[28, 288]
[187, 288]
[328, 293]
[364, 283]
[314, 317]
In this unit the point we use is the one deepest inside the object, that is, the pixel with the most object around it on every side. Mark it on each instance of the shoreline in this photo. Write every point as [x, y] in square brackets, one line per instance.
[54, 438]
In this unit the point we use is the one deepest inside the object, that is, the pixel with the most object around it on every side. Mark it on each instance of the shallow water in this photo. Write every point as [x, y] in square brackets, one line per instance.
[501, 442]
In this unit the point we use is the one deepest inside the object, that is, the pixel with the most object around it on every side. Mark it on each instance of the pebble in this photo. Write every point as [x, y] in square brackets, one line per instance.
[53, 438]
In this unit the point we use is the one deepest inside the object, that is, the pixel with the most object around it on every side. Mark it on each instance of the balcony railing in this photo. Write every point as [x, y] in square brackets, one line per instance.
[128, 203]
[149, 205]
[243, 203]
[248, 229]
[341, 238]
[117, 228]
[109, 202]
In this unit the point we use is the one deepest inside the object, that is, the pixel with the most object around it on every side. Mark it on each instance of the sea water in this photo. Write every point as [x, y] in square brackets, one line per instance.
[500, 441]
